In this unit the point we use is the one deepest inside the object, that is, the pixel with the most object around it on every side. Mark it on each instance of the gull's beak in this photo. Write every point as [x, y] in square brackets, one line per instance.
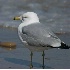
[16, 18]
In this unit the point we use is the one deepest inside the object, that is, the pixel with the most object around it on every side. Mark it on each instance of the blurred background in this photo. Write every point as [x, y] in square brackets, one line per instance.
[54, 13]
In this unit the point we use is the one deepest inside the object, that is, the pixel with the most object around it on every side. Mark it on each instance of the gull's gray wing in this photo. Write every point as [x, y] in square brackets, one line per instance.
[39, 35]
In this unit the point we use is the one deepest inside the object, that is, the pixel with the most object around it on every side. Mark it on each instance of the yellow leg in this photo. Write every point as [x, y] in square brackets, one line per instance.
[31, 66]
[43, 60]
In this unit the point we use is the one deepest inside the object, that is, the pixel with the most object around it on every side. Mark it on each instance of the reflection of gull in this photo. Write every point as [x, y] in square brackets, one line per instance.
[35, 35]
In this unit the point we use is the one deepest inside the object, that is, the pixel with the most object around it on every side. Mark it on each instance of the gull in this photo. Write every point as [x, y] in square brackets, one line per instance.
[36, 36]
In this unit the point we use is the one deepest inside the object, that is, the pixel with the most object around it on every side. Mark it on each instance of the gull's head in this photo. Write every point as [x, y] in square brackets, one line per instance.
[29, 17]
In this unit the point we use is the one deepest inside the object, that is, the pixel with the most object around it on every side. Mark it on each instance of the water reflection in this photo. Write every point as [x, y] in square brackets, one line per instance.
[8, 48]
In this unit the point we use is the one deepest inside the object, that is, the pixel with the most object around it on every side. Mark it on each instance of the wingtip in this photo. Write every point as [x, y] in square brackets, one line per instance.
[64, 46]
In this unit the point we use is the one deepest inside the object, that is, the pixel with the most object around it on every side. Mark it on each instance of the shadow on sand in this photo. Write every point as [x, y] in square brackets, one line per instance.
[25, 62]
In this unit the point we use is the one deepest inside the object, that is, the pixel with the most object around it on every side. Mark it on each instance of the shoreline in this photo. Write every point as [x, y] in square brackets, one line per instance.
[15, 28]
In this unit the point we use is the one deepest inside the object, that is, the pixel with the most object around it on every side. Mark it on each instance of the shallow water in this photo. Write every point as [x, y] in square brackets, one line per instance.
[20, 56]
[53, 13]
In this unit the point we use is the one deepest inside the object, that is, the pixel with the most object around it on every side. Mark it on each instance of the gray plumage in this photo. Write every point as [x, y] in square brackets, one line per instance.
[39, 35]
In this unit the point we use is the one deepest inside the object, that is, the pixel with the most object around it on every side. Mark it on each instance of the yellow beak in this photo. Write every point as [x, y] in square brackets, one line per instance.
[16, 18]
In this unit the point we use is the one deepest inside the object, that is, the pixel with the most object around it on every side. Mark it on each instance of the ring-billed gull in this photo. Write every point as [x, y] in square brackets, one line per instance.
[36, 36]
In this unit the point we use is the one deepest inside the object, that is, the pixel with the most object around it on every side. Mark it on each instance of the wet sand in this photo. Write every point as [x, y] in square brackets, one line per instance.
[19, 57]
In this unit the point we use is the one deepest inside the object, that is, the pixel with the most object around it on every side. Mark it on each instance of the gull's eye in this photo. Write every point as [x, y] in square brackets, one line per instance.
[23, 18]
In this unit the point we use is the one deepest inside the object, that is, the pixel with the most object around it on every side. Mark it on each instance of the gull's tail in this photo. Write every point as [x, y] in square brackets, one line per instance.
[64, 46]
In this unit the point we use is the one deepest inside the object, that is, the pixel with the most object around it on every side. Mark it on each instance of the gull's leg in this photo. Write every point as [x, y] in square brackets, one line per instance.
[31, 66]
[43, 59]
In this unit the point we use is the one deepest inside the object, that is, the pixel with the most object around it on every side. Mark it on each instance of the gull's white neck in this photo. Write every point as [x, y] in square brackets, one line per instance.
[26, 23]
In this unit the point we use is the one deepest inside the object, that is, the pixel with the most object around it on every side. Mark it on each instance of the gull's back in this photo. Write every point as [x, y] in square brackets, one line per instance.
[39, 35]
